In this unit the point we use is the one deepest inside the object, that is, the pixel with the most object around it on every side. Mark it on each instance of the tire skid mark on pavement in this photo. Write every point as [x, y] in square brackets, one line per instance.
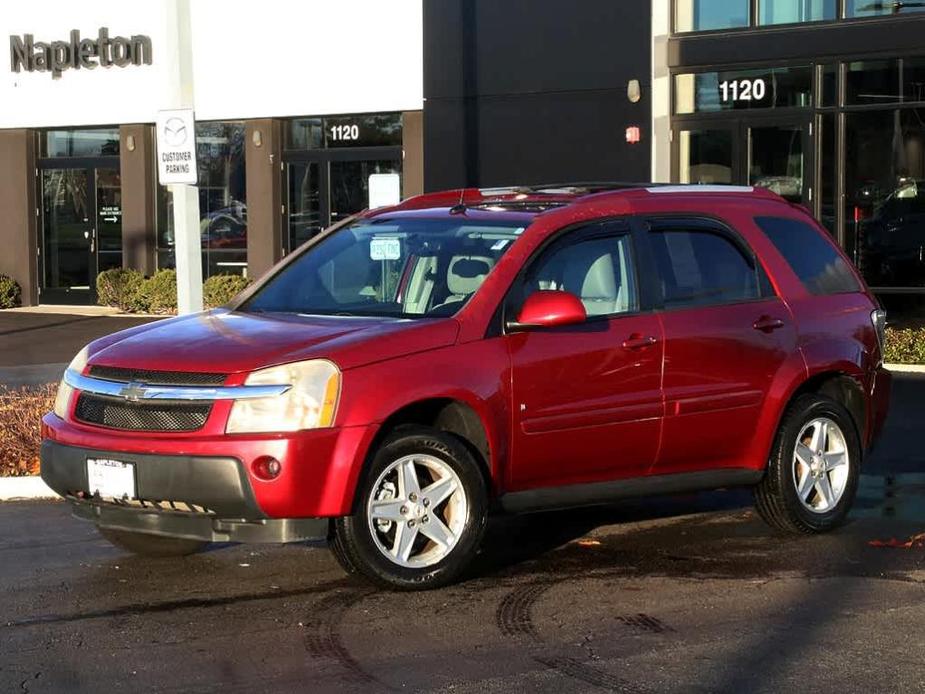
[644, 622]
[514, 618]
[174, 605]
[323, 639]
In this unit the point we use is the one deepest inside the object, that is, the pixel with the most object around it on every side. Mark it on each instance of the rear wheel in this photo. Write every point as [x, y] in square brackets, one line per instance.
[813, 472]
[149, 545]
[420, 513]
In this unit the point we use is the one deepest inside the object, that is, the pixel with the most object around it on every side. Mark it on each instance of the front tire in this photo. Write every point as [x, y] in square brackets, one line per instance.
[420, 513]
[813, 471]
[148, 545]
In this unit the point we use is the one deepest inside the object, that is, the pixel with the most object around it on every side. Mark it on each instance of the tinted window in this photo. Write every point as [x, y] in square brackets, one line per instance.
[700, 268]
[812, 257]
[599, 271]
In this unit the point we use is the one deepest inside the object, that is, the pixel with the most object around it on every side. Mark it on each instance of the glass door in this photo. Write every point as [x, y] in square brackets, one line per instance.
[326, 187]
[307, 216]
[81, 231]
[778, 159]
[68, 242]
[108, 218]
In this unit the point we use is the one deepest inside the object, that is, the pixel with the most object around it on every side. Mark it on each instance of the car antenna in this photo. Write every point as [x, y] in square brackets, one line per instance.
[460, 207]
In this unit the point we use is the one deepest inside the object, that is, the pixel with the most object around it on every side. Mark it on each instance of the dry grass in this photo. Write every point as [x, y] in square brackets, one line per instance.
[21, 411]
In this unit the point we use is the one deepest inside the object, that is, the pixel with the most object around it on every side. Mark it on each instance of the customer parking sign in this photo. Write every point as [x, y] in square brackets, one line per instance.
[176, 147]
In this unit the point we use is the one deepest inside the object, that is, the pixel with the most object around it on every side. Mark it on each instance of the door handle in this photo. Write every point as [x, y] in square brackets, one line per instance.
[767, 324]
[637, 341]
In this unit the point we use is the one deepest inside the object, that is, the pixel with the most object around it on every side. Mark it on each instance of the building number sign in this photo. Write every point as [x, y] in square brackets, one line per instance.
[345, 133]
[735, 91]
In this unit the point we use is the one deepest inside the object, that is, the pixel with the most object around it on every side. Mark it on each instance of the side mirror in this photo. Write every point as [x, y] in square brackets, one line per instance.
[549, 309]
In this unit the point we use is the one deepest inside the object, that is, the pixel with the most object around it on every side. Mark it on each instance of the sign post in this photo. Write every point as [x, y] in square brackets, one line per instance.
[176, 155]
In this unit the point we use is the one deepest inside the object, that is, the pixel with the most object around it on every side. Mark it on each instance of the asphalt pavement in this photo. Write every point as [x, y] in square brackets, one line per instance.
[679, 594]
[29, 339]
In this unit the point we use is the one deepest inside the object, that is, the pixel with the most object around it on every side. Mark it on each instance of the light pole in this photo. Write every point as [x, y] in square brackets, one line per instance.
[178, 57]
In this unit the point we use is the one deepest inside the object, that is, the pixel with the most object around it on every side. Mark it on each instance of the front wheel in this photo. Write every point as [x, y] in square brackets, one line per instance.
[148, 545]
[420, 513]
[813, 472]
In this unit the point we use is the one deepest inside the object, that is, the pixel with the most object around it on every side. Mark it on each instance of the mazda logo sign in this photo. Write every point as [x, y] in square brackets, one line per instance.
[175, 132]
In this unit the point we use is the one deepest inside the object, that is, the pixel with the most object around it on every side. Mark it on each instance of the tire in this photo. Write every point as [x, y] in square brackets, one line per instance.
[791, 502]
[148, 545]
[389, 539]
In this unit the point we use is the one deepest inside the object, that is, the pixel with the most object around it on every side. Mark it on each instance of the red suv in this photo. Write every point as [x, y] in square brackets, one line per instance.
[415, 368]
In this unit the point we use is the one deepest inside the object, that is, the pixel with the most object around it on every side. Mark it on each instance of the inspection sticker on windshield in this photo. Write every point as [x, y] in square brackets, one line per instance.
[385, 249]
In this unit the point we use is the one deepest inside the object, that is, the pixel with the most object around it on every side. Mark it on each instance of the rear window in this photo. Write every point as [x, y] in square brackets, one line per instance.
[813, 258]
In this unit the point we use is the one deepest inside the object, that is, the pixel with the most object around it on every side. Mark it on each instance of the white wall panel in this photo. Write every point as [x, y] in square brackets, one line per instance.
[257, 58]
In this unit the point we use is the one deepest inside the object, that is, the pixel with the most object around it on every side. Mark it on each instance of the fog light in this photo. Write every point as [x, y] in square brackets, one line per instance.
[267, 468]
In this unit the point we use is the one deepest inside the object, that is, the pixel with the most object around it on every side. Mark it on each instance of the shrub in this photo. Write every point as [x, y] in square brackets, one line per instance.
[218, 290]
[905, 346]
[21, 412]
[10, 293]
[119, 288]
[158, 294]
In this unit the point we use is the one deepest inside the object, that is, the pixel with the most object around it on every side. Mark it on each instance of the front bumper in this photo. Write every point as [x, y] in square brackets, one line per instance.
[215, 493]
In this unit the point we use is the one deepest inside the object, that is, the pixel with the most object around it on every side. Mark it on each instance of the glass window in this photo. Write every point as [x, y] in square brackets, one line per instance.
[828, 166]
[775, 160]
[705, 15]
[98, 142]
[400, 268]
[598, 271]
[885, 195]
[913, 79]
[705, 156]
[812, 256]
[793, 11]
[222, 202]
[373, 130]
[700, 268]
[828, 93]
[874, 8]
[872, 82]
[743, 89]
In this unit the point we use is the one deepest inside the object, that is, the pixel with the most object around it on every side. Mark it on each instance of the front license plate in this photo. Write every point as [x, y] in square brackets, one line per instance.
[111, 478]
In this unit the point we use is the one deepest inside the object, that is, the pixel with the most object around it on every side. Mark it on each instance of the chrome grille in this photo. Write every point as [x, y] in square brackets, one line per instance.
[117, 413]
[157, 378]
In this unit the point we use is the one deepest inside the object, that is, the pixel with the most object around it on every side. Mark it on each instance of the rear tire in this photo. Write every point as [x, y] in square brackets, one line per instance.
[148, 545]
[420, 513]
[813, 470]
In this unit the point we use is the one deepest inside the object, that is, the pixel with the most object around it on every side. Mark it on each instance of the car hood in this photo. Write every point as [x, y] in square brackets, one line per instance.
[223, 341]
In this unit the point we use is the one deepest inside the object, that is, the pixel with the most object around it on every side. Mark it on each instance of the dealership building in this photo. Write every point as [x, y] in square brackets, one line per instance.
[299, 104]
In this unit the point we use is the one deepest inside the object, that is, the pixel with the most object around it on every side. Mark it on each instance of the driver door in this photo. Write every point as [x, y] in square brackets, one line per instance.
[587, 401]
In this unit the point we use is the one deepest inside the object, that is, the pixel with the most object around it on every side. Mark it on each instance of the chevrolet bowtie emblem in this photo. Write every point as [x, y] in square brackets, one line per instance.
[133, 391]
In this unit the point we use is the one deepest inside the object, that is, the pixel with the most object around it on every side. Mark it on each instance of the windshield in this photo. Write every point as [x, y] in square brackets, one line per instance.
[404, 268]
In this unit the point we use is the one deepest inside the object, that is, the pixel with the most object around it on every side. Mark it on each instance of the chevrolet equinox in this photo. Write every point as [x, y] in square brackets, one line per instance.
[414, 368]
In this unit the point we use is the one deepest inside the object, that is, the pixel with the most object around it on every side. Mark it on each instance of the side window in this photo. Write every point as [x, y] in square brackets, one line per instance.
[813, 258]
[599, 271]
[702, 268]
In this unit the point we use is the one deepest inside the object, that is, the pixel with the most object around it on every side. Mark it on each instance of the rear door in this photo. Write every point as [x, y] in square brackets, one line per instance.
[726, 336]
[586, 398]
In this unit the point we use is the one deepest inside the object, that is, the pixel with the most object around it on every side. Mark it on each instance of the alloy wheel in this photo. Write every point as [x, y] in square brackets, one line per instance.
[820, 465]
[417, 511]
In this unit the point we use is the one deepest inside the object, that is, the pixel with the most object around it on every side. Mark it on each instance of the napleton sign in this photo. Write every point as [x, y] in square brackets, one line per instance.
[78, 53]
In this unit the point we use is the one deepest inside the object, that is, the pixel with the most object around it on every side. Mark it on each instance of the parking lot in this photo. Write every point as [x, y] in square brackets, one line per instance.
[680, 594]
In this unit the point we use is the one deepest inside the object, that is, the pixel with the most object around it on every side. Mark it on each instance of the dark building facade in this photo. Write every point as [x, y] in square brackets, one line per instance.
[535, 92]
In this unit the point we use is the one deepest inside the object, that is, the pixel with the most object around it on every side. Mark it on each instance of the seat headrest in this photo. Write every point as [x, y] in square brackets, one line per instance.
[467, 273]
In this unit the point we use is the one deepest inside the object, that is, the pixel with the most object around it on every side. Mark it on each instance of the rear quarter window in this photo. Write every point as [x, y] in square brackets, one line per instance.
[811, 256]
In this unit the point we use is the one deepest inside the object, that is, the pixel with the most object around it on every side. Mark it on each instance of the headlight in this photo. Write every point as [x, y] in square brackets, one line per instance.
[309, 404]
[63, 398]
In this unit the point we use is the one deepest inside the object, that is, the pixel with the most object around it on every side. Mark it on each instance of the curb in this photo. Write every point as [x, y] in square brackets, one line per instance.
[906, 368]
[25, 488]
